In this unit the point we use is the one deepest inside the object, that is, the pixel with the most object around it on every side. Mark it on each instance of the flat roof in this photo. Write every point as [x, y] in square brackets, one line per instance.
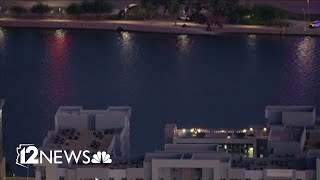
[77, 140]
[222, 133]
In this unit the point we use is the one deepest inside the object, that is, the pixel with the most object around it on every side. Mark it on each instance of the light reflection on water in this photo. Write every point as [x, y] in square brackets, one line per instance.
[184, 44]
[58, 69]
[194, 80]
[252, 41]
[126, 41]
[306, 50]
[300, 76]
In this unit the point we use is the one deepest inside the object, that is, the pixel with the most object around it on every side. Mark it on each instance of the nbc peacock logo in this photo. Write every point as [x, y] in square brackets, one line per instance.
[101, 158]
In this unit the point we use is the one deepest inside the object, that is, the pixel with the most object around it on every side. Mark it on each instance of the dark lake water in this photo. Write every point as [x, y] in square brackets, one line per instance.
[195, 81]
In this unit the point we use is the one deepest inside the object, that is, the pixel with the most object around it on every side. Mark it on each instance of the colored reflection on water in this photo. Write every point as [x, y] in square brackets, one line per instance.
[203, 81]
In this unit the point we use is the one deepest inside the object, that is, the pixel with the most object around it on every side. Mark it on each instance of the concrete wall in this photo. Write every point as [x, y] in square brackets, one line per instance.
[71, 174]
[147, 170]
[160, 166]
[301, 175]
[274, 117]
[65, 121]
[254, 174]
[3, 168]
[110, 120]
[279, 174]
[134, 173]
[52, 171]
[311, 175]
[117, 174]
[236, 173]
[299, 119]
[92, 173]
[169, 133]
[282, 147]
[318, 168]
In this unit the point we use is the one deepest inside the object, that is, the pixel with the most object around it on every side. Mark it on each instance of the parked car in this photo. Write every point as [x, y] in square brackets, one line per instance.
[315, 24]
[184, 18]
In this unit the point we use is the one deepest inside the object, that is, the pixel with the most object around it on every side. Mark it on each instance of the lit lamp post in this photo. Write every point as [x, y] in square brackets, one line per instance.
[125, 13]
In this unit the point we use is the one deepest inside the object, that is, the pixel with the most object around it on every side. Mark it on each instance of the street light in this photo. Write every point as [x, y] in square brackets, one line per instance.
[125, 13]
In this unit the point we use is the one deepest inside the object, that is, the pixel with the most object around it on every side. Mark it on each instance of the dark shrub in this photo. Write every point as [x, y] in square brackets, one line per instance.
[40, 8]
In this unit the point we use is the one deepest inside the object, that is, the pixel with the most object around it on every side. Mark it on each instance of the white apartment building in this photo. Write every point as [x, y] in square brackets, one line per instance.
[114, 121]
[189, 153]
[94, 130]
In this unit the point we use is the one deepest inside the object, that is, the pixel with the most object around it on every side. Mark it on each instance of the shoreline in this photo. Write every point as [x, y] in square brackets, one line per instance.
[153, 26]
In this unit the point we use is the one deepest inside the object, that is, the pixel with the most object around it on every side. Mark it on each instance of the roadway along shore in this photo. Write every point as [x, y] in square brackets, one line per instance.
[156, 26]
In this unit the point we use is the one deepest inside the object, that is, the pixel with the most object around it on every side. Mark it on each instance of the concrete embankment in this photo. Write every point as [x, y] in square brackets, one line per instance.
[143, 26]
[158, 26]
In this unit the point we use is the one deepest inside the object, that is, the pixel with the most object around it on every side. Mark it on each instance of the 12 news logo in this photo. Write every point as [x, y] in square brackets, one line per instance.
[28, 154]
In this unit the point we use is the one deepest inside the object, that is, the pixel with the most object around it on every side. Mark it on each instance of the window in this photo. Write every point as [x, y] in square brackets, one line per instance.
[261, 155]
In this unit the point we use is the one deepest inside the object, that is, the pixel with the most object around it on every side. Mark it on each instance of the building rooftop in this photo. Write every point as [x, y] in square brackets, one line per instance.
[222, 133]
[75, 117]
[80, 139]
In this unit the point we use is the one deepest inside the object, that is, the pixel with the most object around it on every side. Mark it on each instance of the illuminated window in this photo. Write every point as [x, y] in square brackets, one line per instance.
[250, 152]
